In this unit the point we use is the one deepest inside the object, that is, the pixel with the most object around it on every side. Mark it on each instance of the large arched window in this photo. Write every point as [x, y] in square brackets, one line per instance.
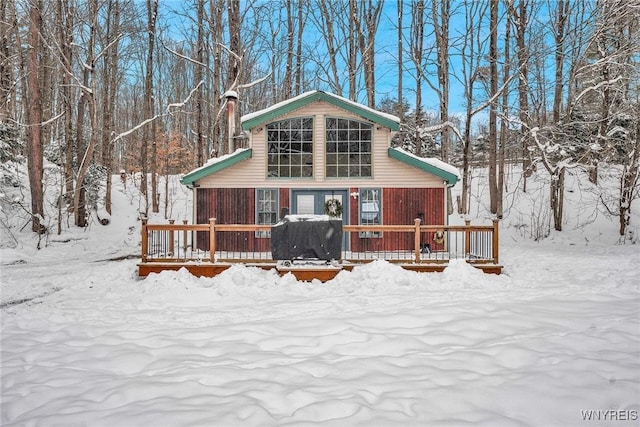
[290, 148]
[348, 148]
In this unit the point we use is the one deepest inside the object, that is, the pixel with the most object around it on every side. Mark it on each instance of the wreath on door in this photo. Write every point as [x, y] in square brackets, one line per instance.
[333, 208]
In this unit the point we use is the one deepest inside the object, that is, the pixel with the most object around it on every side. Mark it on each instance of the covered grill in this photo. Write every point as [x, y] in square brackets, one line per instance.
[307, 237]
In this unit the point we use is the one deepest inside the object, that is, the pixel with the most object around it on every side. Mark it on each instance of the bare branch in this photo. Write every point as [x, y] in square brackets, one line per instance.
[255, 82]
[186, 58]
[181, 104]
[136, 127]
[495, 96]
[51, 120]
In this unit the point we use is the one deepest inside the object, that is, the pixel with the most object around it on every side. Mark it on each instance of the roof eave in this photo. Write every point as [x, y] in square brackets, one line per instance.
[448, 177]
[190, 178]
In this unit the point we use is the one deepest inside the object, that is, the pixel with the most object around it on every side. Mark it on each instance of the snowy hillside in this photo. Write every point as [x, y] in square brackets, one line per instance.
[553, 341]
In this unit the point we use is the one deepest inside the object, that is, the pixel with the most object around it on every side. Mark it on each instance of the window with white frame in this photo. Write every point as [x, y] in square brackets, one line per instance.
[266, 209]
[290, 148]
[370, 210]
[348, 148]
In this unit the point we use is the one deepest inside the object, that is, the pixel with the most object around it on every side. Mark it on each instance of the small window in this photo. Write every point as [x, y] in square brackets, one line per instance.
[266, 209]
[370, 211]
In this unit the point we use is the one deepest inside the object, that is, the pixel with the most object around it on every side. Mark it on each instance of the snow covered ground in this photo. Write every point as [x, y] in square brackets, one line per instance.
[554, 341]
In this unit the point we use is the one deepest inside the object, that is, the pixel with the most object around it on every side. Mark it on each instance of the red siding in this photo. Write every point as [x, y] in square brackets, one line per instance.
[399, 206]
[227, 206]
[284, 200]
[403, 206]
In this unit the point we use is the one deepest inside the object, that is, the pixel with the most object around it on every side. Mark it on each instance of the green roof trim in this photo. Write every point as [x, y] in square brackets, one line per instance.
[250, 121]
[448, 176]
[213, 167]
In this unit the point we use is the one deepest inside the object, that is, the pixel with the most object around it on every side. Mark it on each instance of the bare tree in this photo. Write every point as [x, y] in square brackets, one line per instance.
[299, 59]
[471, 52]
[441, 15]
[366, 18]
[34, 117]
[87, 99]
[110, 88]
[7, 58]
[216, 29]
[288, 78]
[493, 90]
[518, 14]
[325, 22]
[400, 112]
[198, 77]
[148, 103]
[416, 53]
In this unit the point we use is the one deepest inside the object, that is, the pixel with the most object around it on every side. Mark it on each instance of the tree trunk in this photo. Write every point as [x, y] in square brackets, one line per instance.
[152, 12]
[65, 13]
[561, 19]
[629, 183]
[441, 12]
[198, 77]
[34, 131]
[109, 102]
[370, 14]
[352, 44]
[400, 6]
[416, 49]
[493, 75]
[216, 16]
[504, 128]
[87, 99]
[471, 53]
[400, 112]
[288, 71]
[233, 16]
[520, 18]
[557, 197]
[299, 60]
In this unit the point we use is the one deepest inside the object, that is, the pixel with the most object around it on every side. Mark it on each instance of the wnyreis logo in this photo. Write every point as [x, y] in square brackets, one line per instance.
[610, 415]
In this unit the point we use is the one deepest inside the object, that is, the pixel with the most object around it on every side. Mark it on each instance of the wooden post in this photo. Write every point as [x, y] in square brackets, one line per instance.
[467, 238]
[416, 241]
[145, 240]
[171, 237]
[184, 237]
[495, 240]
[212, 239]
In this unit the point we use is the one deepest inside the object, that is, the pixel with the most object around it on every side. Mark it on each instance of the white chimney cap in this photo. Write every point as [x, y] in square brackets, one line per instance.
[230, 94]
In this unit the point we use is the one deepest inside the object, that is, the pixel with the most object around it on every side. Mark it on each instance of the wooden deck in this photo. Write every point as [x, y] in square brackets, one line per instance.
[175, 246]
[323, 274]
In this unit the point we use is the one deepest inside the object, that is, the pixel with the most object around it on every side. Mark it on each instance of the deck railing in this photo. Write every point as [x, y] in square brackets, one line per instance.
[251, 243]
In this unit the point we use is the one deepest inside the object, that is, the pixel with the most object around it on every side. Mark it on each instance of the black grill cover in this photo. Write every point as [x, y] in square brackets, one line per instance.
[307, 237]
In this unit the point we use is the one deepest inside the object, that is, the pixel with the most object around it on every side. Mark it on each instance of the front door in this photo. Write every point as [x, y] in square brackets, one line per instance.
[312, 202]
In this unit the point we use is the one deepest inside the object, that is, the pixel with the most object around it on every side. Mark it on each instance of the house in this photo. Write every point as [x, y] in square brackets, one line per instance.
[319, 153]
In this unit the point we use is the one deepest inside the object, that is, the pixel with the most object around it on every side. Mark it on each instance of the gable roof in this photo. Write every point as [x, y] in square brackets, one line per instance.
[215, 165]
[257, 118]
[428, 164]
